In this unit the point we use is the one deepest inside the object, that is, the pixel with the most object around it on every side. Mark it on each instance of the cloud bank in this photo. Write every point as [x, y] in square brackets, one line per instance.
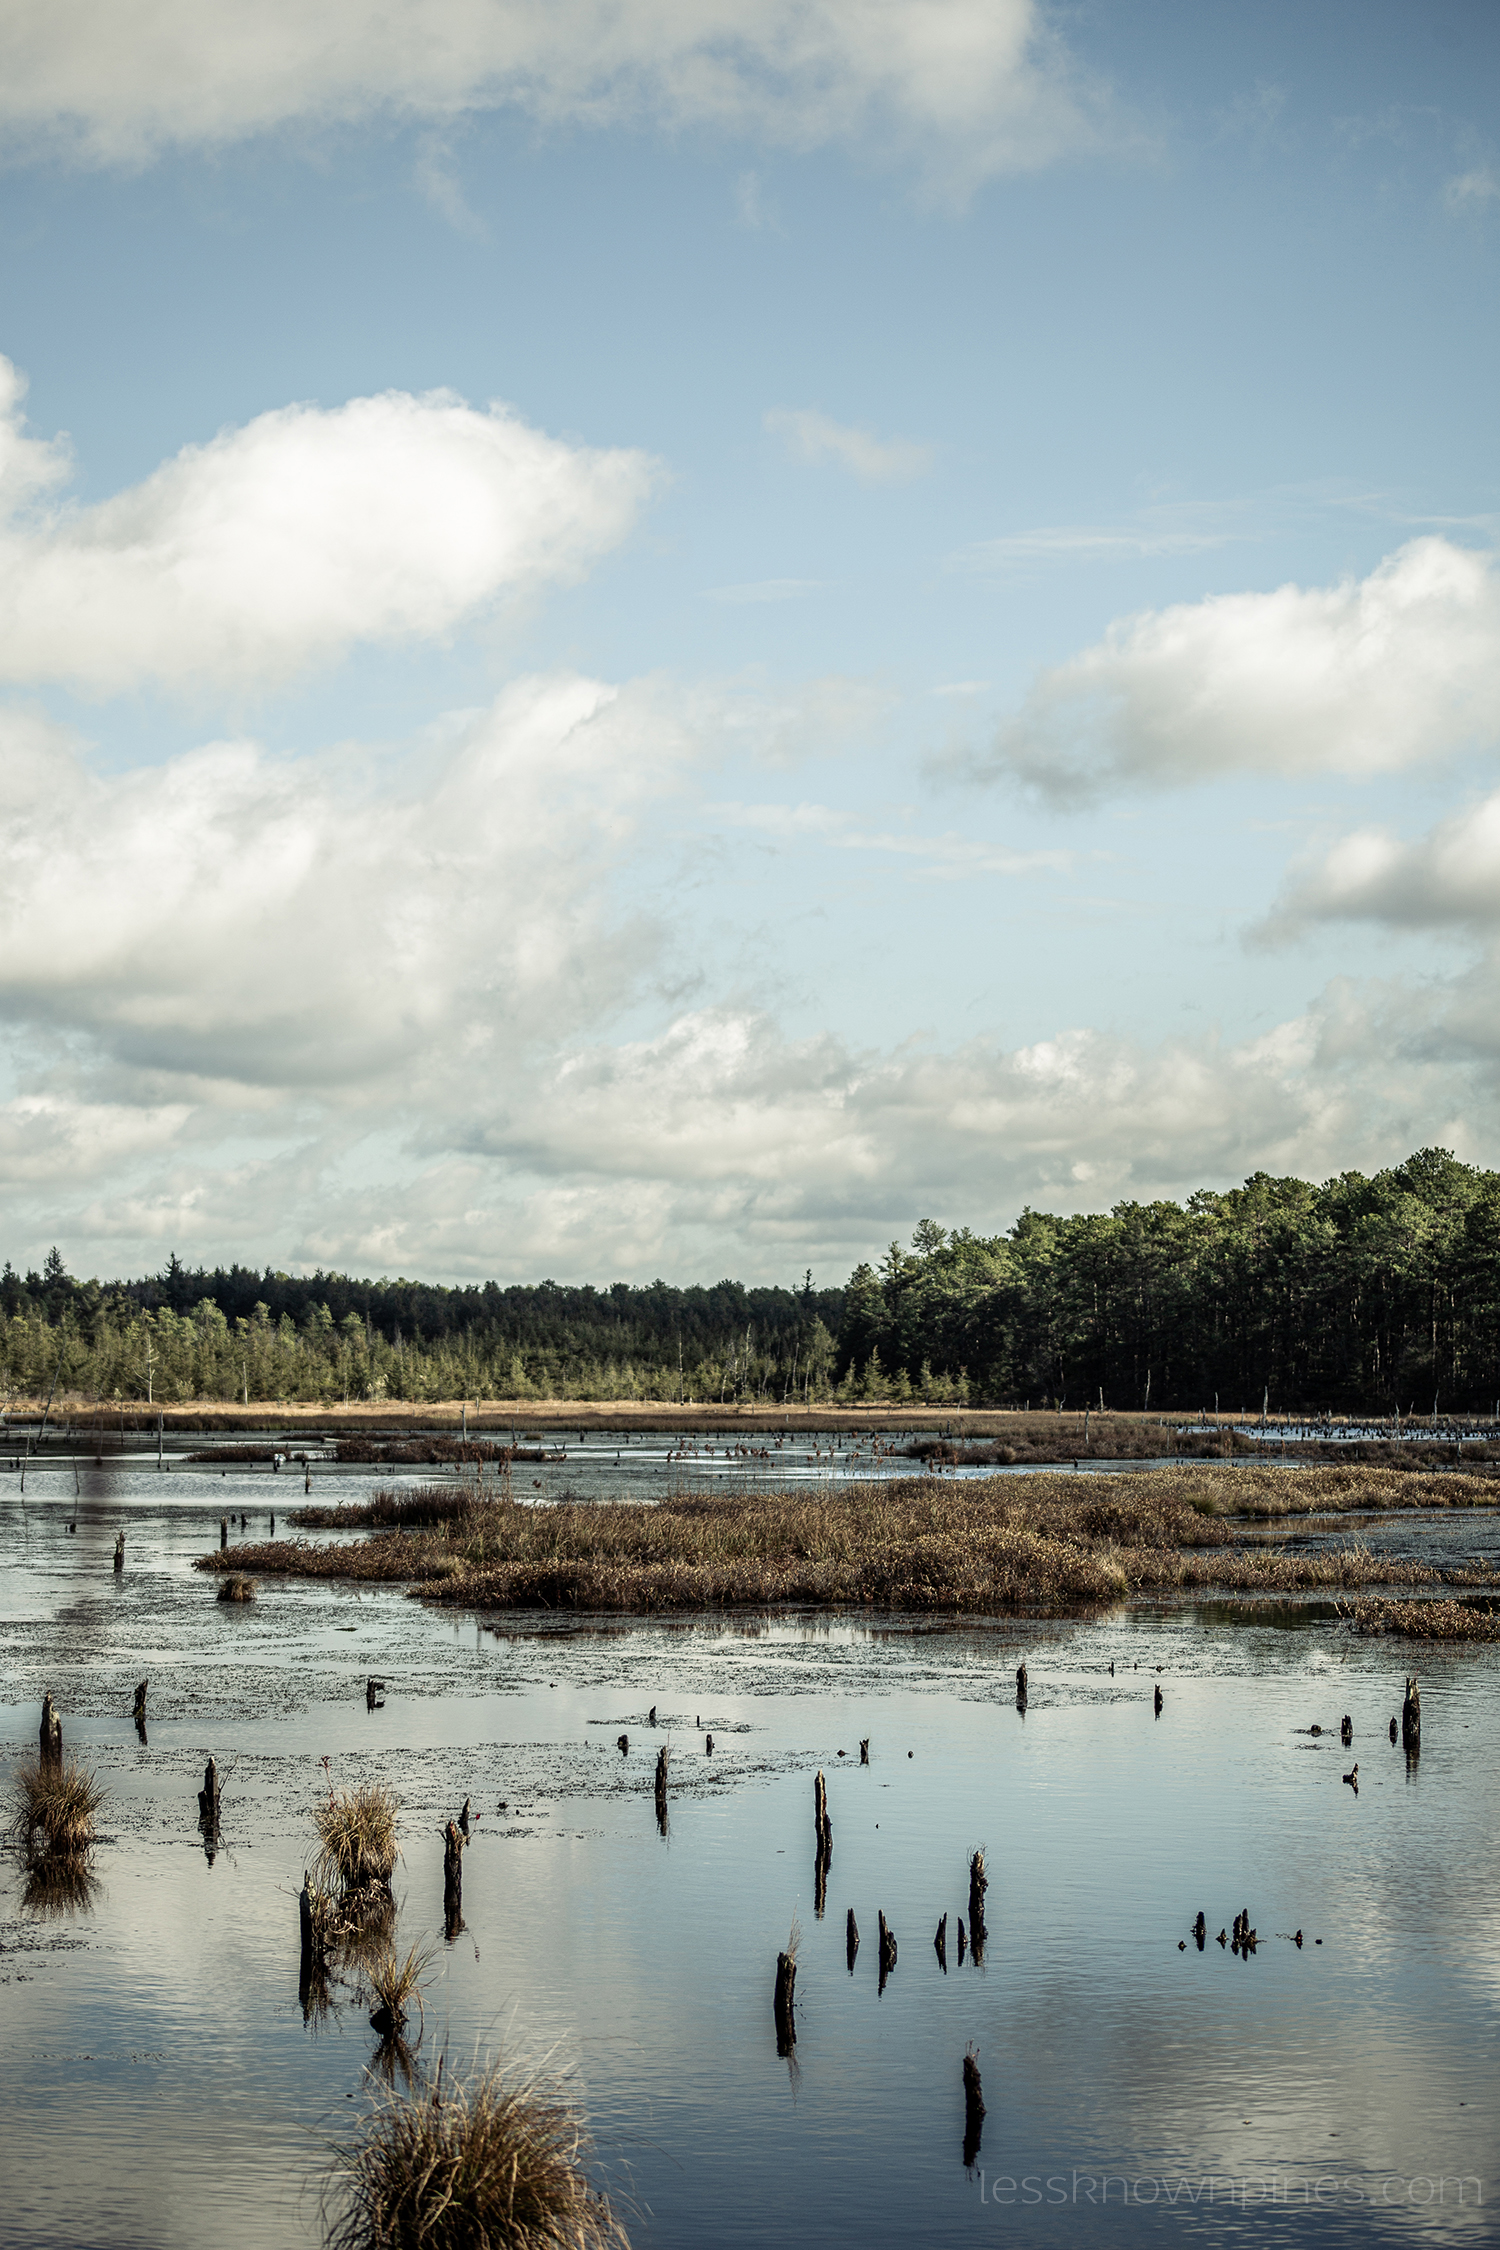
[288, 542]
[974, 86]
[1364, 677]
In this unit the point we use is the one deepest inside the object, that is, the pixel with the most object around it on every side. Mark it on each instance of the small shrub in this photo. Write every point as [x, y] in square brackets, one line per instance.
[238, 1589]
[449, 2166]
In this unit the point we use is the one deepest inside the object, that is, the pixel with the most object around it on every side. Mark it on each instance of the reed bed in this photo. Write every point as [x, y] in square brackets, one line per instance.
[357, 1844]
[1049, 1544]
[54, 1815]
[1424, 1621]
[494, 2163]
[384, 1510]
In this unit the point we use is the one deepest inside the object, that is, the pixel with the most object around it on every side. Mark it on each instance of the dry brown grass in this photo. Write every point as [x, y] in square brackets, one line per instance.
[54, 1815]
[357, 1845]
[1424, 1621]
[492, 2164]
[423, 1504]
[1050, 1542]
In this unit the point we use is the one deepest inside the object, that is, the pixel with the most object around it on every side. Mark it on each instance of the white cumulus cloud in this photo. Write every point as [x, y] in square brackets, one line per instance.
[811, 436]
[291, 540]
[1362, 677]
[1448, 879]
[973, 86]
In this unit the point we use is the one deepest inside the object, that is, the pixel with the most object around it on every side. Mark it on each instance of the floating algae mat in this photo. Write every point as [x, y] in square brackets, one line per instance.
[166, 2082]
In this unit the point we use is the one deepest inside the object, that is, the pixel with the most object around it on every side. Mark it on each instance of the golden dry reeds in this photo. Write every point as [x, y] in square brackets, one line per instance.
[357, 1845]
[395, 1981]
[1050, 1542]
[1424, 1621]
[494, 2163]
[54, 1813]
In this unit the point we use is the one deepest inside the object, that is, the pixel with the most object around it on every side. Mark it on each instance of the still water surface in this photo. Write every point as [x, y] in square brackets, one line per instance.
[160, 2085]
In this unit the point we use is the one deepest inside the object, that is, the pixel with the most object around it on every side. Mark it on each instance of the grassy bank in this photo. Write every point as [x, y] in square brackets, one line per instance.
[1043, 1544]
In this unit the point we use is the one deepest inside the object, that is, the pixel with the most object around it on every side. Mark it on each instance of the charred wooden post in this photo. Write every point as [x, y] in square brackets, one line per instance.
[223, 1533]
[119, 1552]
[851, 1940]
[208, 1797]
[887, 1950]
[1346, 1728]
[786, 1987]
[273, 1523]
[662, 1755]
[651, 1716]
[1021, 1687]
[1411, 1717]
[940, 1944]
[139, 1712]
[979, 1883]
[973, 2107]
[1157, 1701]
[708, 1746]
[453, 1870]
[51, 1734]
[864, 1751]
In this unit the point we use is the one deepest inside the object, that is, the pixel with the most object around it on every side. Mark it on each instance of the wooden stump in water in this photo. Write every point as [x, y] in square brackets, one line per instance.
[940, 1944]
[1411, 1716]
[979, 1883]
[1157, 1702]
[662, 1757]
[623, 1744]
[119, 1552]
[453, 1871]
[208, 1796]
[51, 1734]
[864, 1751]
[374, 1690]
[223, 1533]
[786, 1987]
[1393, 1730]
[851, 1939]
[463, 1818]
[139, 1712]
[651, 1716]
[887, 1950]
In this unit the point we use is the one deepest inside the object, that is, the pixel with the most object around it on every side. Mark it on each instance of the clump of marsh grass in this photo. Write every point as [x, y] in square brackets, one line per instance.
[1424, 1621]
[395, 1981]
[54, 1813]
[238, 1588]
[450, 2165]
[357, 1847]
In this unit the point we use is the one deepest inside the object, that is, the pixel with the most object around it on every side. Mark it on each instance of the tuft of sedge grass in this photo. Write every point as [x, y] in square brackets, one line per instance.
[238, 1588]
[496, 2161]
[1423, 1621]
[357, 1847]
[395, 1981]
[54, 1813]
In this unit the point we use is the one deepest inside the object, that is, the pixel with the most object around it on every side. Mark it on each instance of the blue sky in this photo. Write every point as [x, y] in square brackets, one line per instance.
[664, 639]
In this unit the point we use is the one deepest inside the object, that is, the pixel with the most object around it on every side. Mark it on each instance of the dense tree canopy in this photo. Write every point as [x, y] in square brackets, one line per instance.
[1360, 1294]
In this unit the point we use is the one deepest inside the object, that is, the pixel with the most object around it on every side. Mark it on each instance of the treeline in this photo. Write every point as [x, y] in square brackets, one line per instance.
[238, 1334]
[1359, 1295]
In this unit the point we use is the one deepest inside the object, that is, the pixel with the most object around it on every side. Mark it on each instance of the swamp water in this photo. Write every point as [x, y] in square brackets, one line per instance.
[161, 2086]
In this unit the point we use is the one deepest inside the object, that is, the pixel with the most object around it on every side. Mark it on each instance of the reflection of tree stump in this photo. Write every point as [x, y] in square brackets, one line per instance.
[973, 2107]
[940, 1944]
[1156, 1702]
[963, 1941]
[1411, 1717]
[851, 1940]
[662, 1756]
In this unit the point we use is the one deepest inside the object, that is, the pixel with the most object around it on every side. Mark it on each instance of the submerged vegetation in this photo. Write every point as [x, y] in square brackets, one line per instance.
[495, 2161]
[1364, 1294]
[1044, 1543]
